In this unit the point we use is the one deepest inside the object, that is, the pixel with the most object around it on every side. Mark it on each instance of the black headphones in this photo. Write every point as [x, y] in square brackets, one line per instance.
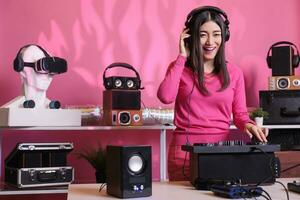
[18, 61]
[295, 58]
[118, 82]
[214, 9]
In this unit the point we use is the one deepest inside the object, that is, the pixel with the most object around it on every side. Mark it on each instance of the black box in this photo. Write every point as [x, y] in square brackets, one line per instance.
[238, 164]
[283, 106]
[39, 164]
[121, 99]
[281, 61]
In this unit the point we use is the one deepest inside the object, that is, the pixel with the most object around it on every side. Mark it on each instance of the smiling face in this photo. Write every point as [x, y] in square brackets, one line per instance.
[210, 39]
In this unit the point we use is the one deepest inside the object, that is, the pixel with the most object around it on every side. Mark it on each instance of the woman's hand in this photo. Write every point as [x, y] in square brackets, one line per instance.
[258, 132]
[183, 50]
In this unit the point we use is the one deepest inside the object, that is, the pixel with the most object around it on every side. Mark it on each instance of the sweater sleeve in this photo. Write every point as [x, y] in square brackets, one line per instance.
[239, 108]
[168, 88]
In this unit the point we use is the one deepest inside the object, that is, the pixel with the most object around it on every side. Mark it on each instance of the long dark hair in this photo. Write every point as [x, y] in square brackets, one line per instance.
[195, 59]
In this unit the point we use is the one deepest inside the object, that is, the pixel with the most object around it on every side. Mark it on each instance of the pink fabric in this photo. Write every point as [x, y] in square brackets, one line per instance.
[201, 114]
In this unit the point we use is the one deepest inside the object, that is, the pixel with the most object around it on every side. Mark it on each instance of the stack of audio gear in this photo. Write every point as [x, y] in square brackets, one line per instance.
[281, 101]
[122, 98]
[232, 161]
[283, 62]
[39, 164]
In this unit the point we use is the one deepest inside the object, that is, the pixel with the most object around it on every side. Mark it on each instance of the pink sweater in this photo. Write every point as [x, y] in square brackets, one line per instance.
[204, 114]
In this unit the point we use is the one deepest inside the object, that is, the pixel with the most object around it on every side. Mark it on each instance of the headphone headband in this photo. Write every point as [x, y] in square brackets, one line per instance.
[121, 64]
[214, 9]
[283, 42]
[207, 8]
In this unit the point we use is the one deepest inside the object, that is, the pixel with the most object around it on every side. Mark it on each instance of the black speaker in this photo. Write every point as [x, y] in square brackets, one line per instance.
[121, 100]
[129, 172]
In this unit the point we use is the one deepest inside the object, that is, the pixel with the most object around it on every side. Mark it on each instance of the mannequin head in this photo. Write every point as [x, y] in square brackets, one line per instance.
[33, 81]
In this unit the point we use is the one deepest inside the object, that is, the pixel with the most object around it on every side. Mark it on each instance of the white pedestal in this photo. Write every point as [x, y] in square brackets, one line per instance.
[39, 117]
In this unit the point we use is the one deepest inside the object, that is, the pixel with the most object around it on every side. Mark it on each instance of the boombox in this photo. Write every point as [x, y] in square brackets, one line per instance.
[284, 83]
[123, 117]
[121, 100]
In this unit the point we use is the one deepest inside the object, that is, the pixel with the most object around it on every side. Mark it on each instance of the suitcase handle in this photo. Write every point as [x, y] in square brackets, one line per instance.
[285, 113]
[47, 175]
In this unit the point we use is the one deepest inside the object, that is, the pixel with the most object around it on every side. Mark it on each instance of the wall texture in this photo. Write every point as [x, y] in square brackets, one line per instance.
[92, 34]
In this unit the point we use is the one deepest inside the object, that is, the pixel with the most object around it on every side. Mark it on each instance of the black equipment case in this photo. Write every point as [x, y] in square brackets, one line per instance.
[39, 164]
[283, 106]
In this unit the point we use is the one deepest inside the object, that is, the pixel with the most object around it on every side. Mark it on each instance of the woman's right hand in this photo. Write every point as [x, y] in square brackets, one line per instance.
[183, 49]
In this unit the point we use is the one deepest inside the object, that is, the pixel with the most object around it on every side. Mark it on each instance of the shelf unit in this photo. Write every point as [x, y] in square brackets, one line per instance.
[163, 160]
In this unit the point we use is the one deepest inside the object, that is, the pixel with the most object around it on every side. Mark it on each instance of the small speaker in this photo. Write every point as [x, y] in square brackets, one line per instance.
[121, 82]
[281, 61]
[129, 171]
[123, 117]
[121, 100]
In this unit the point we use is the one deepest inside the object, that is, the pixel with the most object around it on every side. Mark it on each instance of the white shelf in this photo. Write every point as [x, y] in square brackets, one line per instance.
[81, 128]
[4, 190]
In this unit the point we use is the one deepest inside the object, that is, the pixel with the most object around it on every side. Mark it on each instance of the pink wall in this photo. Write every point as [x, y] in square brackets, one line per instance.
[93, 34]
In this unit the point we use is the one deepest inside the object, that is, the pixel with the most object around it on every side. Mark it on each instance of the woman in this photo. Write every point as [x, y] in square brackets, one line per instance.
[206, 89]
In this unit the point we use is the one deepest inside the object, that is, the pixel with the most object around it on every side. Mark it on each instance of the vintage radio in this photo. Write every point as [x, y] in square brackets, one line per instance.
[284, 83]
[39, 164]
[123, 117]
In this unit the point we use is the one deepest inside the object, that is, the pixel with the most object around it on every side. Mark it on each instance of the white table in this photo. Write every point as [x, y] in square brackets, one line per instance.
[173, 191]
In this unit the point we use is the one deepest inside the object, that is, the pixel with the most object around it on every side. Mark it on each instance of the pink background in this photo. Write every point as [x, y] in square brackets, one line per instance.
[92, 34]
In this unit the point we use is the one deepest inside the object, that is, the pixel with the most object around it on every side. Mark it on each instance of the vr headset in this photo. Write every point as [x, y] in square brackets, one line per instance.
[47, 65]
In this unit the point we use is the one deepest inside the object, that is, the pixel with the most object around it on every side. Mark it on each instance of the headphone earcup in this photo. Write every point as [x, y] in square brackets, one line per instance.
[227, 34]
[29, 104]
[295, 61]
[269, 61]
[18, 64]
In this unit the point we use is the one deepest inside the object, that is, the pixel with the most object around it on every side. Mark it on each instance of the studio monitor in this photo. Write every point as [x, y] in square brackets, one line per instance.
[121, 100]
[129, 171]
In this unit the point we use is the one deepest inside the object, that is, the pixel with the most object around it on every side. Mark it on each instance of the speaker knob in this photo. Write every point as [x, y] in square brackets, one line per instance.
[296, 82]
[136, 117]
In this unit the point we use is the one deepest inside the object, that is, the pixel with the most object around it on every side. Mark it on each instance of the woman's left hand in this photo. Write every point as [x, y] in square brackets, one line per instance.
[258, 132]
